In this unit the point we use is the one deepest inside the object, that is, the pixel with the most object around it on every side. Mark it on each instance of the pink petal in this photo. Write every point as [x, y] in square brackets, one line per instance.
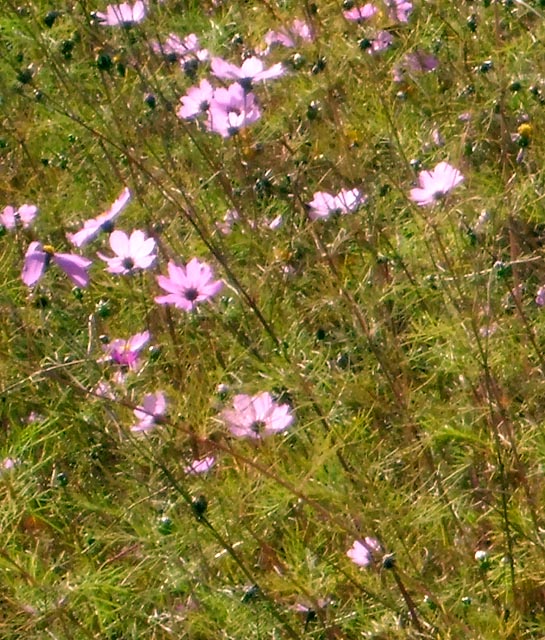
[35, 264]
[74, 266]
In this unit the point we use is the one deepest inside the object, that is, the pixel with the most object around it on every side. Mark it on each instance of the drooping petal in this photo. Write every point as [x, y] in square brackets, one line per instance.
[35, 263]
[74, 266]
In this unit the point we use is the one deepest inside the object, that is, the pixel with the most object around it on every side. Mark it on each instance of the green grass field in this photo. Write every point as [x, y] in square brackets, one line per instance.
[329, 361]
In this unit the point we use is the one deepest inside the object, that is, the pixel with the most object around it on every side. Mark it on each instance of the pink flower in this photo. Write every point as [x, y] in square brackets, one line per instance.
[232, 109]
[122, 15]
[540, 296]
[399, 10]
[187, 286]
[358, 14]
[362, 552]
[252, 70]
[200, 466]
[126, 352]
[150, 413]
[38, 257]
[257, 416]
[23, 216]
[196, 101]
[325, 204]
[103, 222]
[382, 41]
[287, 37]
[435, 184]
[231, 217]
[176, 48]
[132, 253]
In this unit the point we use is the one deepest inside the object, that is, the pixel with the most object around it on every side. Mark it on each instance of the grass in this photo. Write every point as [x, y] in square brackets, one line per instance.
[406, 340]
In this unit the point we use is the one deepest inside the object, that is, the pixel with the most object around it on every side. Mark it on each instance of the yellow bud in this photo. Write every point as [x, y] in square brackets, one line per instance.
[49, 249]
[525, 130]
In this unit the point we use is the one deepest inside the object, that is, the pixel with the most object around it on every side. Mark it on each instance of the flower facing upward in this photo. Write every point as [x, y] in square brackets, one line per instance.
[299, 30]
[324, 204]
[358, 14]
[103, 222]
[399, 10]
[435, 184]
[122, 15]
[252, 70]
[176, 48]
[126, 352]
[38, 257]
[150, 413]
[23, 216]
[189, 285]
[132, 253]
[257, 416]
[200, 466]
[196, 101]
[361, 553]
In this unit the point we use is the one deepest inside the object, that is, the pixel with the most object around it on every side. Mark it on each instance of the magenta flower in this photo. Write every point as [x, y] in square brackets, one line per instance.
[150, 413]
[399, 10]
[103, 222]
[196, 101]
[200, 466]
[187, 286]
[126, 352]
[38, 258]
[232, 109]
[435, 184]
[176, 48]
[325, 204]
[358, 14]
[362, 552]
[252, 70]
[132, 253]
[23, 216]
[122, 15]
[257, 416]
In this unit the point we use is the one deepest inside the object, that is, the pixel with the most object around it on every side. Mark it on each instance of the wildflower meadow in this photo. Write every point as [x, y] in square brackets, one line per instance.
[272, 332]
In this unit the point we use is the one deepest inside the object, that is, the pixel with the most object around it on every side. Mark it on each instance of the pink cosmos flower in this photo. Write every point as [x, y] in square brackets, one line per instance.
[196, 101]
[200, 466]
[122, 15]
[325, 204]
[435, 184]
[103, 222]
[252, 70]
[257, 416]
[126, 352]
[299, 29]
[399, 10]
[132, 253]
[231, 217]
[176, 48]
[358, 14]
[382, 41]
[418, 61]
[232, 109]
[187, 286]
[23, 216]
[38, 257]
[150, 413]
[362, 552]
[540, 296]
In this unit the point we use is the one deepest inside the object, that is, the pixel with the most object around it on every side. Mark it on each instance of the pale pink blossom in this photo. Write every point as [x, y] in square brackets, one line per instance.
[399, 10]
[126, 352]
[361, 553]
[176, 48]
[133, 252]
[38, 258]
[252, 70]
[232, 109]
[299, 30]
[360, 13]
[22, 216]
[435, 184]
[200, 466]
[257, 416]
[188, 286]
[196, 101]
[122, 15]
[150, 413]
[103, 222]
[324, 204]
[540, 296]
